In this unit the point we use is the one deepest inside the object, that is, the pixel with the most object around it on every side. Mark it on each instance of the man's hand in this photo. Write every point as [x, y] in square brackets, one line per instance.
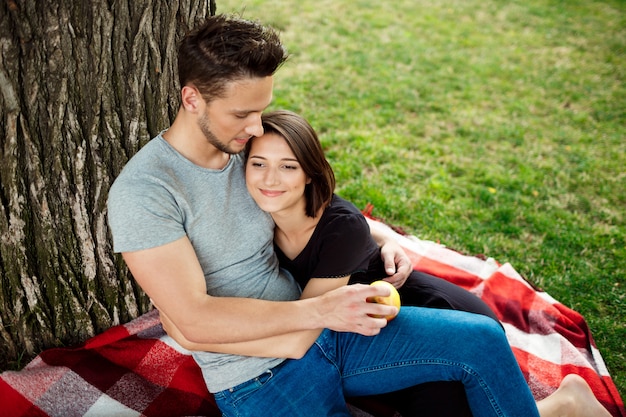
[346, 309]
[397, 264]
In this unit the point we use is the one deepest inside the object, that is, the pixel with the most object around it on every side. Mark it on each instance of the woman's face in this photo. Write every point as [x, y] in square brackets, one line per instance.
[274, 177]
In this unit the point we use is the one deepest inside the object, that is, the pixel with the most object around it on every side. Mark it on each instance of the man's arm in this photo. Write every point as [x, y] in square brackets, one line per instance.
[290, 345]
[172, 277]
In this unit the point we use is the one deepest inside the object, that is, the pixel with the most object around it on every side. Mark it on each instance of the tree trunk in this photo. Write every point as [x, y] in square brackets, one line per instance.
[84, 84]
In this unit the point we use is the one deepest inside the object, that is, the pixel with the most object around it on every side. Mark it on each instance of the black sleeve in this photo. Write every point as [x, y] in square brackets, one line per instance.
[344, 247]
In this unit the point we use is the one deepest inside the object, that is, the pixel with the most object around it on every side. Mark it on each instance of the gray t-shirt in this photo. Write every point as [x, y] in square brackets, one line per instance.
[160, 196]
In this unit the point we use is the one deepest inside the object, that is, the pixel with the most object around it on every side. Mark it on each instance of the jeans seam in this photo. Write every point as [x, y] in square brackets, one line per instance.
[328, 357]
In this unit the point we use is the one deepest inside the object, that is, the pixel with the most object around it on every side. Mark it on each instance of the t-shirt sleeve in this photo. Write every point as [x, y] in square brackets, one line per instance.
[343, 247]
[142, 215]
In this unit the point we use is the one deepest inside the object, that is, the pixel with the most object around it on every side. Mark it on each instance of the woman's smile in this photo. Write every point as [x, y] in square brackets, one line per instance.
[271, 193]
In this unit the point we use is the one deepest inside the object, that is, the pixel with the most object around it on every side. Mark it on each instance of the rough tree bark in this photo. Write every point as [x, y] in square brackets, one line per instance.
[84, 84]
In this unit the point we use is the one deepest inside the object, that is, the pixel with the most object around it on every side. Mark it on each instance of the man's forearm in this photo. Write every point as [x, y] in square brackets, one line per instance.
[222, 320]
[234, 320]
[291, 345]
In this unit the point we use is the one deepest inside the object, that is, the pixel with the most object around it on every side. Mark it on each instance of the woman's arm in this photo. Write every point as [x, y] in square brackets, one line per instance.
[319, 286]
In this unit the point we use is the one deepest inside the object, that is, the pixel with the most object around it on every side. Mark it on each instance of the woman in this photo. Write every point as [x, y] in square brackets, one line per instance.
[318, 234]
[325, 242]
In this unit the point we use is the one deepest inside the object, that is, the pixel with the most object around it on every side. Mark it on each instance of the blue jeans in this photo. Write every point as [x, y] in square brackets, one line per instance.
[419, 345]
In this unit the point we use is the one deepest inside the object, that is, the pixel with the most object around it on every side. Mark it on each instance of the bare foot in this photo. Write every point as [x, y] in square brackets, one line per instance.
[574, 398]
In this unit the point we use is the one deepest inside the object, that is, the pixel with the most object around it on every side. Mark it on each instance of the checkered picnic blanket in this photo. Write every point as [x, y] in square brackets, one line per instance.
[549, 340]
[134, 370]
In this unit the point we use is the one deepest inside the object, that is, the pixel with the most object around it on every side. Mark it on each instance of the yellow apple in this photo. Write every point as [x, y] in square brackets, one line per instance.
[393, 299]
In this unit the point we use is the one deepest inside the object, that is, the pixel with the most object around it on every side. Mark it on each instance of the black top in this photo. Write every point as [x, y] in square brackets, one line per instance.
[341, 245]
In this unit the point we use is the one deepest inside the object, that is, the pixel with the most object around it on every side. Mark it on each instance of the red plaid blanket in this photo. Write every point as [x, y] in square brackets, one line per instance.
[133, 370]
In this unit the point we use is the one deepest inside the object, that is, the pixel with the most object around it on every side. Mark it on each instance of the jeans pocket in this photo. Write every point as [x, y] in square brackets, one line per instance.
[241, 392]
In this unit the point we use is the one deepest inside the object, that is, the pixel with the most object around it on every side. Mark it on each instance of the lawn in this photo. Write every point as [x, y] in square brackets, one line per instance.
[496, 128]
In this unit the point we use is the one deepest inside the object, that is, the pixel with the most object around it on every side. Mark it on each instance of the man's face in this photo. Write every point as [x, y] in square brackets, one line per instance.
[230, 121]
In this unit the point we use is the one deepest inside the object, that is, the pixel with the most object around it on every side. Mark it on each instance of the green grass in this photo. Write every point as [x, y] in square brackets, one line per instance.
[493, 127]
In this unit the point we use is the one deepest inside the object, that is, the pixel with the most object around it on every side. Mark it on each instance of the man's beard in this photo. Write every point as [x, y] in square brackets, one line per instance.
[203, 122]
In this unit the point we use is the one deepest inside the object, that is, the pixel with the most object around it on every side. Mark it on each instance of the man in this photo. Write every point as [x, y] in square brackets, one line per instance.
[182, 238]
[198, 245]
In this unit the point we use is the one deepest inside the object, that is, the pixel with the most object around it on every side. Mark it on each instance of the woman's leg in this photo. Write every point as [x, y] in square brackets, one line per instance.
[442, 398]
[424, 290]
[574, 398]
[430, 399]
[424, 345]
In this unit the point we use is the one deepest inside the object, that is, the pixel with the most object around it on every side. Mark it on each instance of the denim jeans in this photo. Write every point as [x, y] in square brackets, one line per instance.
[419, 345]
